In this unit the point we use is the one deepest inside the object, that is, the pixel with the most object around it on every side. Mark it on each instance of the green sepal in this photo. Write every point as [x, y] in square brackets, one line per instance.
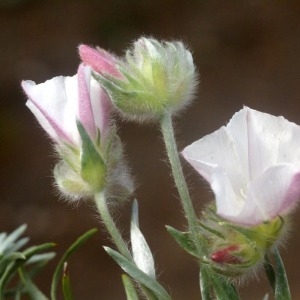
[131, 293]
[93, 169]
[77, 244]
[139, 276]
[184, 240]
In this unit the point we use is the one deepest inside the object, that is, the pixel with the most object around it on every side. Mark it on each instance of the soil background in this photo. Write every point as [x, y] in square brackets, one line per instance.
[247, 53]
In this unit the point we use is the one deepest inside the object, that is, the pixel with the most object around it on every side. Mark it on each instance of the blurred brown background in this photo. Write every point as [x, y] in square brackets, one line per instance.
[247, 53]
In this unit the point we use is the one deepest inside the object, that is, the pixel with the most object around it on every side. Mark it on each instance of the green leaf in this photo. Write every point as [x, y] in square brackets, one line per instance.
[184, 240]
[270, 272]
[31, 288]
[282, 290]
[14, 265]
[145, 280]
[131, 293]
[77, 244]
[66, 284]
[29, 252]
[8, 242]
[141, 252]
[7, 259]
[41, 258]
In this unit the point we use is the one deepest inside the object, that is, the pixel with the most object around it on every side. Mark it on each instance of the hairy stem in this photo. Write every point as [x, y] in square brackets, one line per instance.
[172, 152]
[111, 225]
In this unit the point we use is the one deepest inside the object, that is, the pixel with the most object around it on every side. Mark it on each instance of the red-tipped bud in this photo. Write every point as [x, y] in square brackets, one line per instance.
[227, 255]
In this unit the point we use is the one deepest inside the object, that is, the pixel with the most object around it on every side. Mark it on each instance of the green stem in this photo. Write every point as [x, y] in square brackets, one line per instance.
[171, 147]
[111, 226]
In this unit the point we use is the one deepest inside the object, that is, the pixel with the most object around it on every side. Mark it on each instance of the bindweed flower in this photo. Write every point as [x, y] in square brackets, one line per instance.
[75, 112]
[154, 77]
[252, 166]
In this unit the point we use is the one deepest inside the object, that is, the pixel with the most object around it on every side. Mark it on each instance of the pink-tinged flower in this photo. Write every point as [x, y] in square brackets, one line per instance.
[60, 102]
[75, 112]
[252, 166]
[152, 79]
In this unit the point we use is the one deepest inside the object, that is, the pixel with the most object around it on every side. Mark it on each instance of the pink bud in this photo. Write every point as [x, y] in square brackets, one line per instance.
[100, 60]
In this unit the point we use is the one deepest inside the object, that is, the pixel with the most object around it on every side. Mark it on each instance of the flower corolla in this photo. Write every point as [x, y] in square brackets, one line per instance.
[76, 113]
[252, 166]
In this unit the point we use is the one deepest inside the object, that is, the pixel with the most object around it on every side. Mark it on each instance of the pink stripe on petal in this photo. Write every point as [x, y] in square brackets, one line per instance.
[85, 111]
[293, 194]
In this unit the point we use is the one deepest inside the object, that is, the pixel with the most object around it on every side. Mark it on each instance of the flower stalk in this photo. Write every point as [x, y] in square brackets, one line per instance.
[172, 152]
[110, 225]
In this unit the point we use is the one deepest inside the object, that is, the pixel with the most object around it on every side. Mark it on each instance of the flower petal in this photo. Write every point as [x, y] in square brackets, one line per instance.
[216, 150]
[52, 102]
[274, 193]
[85, 111]
[271, 140]
[102, 107]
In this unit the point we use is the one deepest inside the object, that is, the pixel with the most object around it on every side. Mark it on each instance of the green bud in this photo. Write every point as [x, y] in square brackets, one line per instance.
[155, 78]
[235, 250]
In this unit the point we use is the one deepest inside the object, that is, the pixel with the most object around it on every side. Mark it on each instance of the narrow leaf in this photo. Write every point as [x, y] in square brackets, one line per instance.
[33, 291]
[184, 240]
[138, 275]
[12, 237]
[131, 293]
[66, 284]
[141, 252]
[7, 259]
[270, 272]
[223, 289]
[77, 244]
[38, 258]
[205, 286]
[282, 290]
[14, 265]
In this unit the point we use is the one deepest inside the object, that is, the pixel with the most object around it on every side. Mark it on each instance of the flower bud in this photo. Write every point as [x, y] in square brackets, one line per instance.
[234, 250]
[154, 77]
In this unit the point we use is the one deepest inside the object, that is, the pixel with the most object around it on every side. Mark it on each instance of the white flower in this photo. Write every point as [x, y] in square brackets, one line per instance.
[76, 113]
[252, 166]
[60, 102]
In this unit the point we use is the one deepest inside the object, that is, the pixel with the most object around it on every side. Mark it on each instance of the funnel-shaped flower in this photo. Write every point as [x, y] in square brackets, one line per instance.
[154, 77]
[252, 165]
[75, 112]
